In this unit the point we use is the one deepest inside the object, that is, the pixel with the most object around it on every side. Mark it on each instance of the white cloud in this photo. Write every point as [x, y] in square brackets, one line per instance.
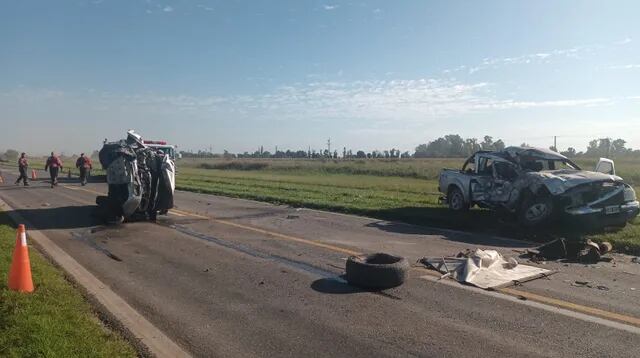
[330, 7]
[391, 100]
[623, 41]
[377, 11]
[167, 9]
[535, 58]
[625, 67]
[205, 8]
[509, 104]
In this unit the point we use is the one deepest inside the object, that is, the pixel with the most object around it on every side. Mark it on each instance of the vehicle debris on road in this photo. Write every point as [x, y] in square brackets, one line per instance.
[486, 269]
[572, 250]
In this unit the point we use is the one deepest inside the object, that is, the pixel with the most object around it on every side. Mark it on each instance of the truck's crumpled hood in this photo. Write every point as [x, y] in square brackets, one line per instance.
[558, 181]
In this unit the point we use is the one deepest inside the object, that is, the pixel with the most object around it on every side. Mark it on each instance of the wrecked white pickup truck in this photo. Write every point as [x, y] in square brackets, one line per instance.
[539, 185]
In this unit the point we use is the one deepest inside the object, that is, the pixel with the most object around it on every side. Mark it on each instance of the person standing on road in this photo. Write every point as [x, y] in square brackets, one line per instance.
[54, 165]
[84, 165]
[23, 167]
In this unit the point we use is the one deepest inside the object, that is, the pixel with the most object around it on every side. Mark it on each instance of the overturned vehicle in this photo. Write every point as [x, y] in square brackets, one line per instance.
[538, 186]
[141, 180]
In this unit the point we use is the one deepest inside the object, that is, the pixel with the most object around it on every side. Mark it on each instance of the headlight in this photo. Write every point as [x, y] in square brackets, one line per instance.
[629, 194]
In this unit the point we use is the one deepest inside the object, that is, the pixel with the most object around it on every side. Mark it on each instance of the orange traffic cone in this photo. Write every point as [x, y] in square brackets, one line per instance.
[20, 271]
[33, 174]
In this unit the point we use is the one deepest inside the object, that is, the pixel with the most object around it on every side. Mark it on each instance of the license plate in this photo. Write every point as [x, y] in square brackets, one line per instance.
[612, 209]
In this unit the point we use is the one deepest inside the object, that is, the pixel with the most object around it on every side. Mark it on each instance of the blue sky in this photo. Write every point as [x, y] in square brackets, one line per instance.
[369, 74]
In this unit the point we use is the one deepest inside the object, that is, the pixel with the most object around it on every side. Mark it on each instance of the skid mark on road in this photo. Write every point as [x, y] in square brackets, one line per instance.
[84, 237]
[299, 265]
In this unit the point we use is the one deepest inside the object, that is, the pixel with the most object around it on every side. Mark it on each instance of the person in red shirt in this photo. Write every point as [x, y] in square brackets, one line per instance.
[23, 167]
[84, 165]
[54, 165]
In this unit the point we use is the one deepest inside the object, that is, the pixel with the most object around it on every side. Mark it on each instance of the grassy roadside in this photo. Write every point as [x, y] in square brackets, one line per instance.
[54, 321]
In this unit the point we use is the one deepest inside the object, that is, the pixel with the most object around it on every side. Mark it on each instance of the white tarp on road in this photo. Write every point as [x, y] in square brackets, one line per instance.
[485, 269]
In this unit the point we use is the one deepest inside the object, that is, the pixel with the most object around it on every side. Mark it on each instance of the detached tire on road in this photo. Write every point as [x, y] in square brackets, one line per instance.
[377, 271]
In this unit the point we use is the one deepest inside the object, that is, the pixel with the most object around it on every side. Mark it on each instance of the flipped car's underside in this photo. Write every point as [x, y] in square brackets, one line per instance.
[141, 181]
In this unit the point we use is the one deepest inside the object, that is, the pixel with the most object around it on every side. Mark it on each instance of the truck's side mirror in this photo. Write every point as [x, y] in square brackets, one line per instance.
[606, 166]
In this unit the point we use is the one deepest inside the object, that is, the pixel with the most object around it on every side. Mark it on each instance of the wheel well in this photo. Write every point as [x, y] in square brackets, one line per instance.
[451, 187]
[528, 194]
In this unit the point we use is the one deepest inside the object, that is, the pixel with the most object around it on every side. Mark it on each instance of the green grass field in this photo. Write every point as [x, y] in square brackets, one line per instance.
[55, 320]
[404, 190]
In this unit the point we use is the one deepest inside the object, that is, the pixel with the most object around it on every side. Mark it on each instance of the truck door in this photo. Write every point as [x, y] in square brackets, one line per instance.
[504, 173]
[482, 181]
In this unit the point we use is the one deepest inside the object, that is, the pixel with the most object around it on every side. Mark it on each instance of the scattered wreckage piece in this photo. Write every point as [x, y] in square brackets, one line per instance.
[563, 249]
[486, 269]
[141, 180]
[539, 185]
[376, 271]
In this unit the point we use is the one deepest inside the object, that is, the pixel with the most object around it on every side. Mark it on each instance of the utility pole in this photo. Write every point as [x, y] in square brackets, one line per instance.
[555, 143]
[329, 146]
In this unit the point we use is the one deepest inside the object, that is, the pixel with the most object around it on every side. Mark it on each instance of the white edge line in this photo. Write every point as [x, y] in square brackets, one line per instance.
[542, 306]
[151, 337]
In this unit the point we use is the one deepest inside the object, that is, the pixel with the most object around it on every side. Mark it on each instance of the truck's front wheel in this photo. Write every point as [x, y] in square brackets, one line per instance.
[456, 201]
[536, 211]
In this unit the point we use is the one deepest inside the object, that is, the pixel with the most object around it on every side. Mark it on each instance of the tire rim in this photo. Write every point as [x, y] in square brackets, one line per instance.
[536, 212]
[456, 201]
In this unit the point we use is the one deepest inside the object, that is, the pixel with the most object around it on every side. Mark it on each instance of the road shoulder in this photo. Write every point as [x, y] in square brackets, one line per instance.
[151, 341]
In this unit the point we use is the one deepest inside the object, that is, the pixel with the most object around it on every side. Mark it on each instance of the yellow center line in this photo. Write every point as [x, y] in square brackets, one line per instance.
[289, 238]
[188, 213]
[172, 212]
[507, 291]
[571, 306]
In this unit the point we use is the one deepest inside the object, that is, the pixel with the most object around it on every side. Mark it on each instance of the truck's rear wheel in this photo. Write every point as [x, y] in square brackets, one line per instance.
[456, 201]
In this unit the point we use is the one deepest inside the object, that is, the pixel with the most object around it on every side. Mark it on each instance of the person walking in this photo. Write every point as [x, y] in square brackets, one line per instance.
[23, 168]
[54, 165]
[84, 165]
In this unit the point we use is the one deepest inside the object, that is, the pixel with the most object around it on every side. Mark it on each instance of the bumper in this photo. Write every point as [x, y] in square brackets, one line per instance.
[626, 212]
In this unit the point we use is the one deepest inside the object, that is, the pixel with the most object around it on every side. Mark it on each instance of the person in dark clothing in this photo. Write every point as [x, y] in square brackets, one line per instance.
[84, 165]
[54, 165]
[23, 167]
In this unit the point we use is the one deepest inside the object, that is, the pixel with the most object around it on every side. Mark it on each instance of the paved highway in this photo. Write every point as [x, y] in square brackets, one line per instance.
[225, 277]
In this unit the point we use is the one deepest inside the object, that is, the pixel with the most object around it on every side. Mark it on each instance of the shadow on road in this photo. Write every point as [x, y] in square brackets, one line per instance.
[33, 186]
[468, 238]
[481, 226]
[66, 217]
[334, 286]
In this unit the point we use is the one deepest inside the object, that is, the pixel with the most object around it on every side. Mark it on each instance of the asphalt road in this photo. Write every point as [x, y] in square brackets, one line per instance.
[226, 277]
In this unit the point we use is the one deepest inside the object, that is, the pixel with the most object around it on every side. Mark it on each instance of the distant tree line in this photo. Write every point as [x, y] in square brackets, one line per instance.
[302, 154]
[604, 147]
[453, 145]
[449, 146]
